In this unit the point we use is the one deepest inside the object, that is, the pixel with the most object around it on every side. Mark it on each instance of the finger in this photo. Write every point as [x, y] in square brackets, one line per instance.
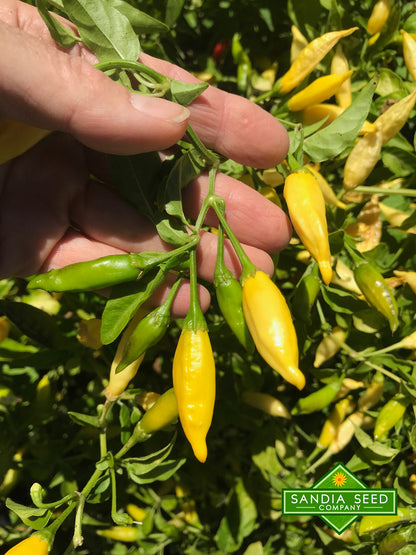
[45, 87]
[74, 247]
[98, 214]
[231, 124]
[254, 219]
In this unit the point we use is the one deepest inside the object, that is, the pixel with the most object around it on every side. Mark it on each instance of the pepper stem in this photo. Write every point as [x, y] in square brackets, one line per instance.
[248, 268]
[195, 318]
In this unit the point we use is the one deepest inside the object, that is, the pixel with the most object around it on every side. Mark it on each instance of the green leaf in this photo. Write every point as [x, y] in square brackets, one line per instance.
[161, 472]
[399, 162]
[62, 35]
[105, 30]
[239, 520]
[173, 11]
[140, 21]
[84, 419]
[342, 301]
[374, 451]
[135, 178]
[255, 548]
[185, 93]
[142, 465]
[341, 133]
[183, 172]
[389, 82]
[171, 231]
[31, 516]
[124, 302]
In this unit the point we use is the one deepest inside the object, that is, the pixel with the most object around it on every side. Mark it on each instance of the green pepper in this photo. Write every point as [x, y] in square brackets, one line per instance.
[318, 399]
[393, 542]
[371, 523]
[376, 291]
[149, 331]
[305, 296]
[389, 415]
[230, 297]
[93, 274]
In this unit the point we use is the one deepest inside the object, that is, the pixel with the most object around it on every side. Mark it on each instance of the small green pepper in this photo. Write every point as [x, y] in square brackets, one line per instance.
[376, 291]
[148, 332]
[318, 399]
[93, 274]
[305, 296]
[371, 523]
[389, 415]
[392, 543]
[230, 297]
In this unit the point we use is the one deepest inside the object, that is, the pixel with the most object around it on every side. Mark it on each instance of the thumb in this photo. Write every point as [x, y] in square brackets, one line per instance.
[47, 88]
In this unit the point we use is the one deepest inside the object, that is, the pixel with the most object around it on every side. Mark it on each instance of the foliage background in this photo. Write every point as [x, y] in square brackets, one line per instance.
[231, 503]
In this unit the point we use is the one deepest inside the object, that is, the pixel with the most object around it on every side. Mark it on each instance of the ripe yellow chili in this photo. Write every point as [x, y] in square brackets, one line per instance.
[409, 53]
[34, 545]
[128, 534]
[319, 90]
[309, 57]
[393, 119]
[378, 17]
[270, 324]
[331, 426]
[362, 159]
[299, 41]
[327, 191]
[339, 65]
[266, 403]
[306, 205]
[194, 385]
[329, 346]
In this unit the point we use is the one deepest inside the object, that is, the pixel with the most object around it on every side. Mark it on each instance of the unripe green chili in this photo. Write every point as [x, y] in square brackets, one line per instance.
[161, 414]
[93, 274]
[389, 415]
[304, 297]
[230, 297]
[148, 331]
[376, 291]
[128, 534]
[318, 400]
[392, 543]
[371, 523]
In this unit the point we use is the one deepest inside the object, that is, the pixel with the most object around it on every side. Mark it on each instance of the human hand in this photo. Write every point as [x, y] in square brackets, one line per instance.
[53, 213]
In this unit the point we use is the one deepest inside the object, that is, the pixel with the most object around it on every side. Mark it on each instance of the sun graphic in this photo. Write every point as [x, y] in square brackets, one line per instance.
[339, 479]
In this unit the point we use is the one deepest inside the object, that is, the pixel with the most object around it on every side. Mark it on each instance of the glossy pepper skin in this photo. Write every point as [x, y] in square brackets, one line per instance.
[388, 416]
[230, 298]
[266, 403]
[270, 324]
[376, 291]
[309, 57]
[93, 274]
[306, 205]
[34, 545]
[161, 414]
[194, 384]
[319, 90]
[340, 64]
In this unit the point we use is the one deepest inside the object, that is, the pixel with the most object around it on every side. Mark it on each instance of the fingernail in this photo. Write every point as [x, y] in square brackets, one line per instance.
[159, 108]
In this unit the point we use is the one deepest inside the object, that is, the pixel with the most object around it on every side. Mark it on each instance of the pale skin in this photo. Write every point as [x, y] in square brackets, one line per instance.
[53, 214]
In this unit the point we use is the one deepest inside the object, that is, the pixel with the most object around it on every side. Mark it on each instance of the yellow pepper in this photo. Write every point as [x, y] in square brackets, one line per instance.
[409, 53]
[378, 17]
[17, 137]
[362, 159]
[194, 385]
[299, 41]
[270, 324]
[319, 90]
[266, 403]
[120, 380]
[128, 534]
[309, 57]
[34, 545]
[331, 426]
[392, 120]
[329, 346]
[395, 217]
[137, 513]
[339, 65]
[408, 277]
[306, 205]
[329, 195]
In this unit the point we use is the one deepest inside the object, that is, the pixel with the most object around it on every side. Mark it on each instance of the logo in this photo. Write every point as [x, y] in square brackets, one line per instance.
[339, 498]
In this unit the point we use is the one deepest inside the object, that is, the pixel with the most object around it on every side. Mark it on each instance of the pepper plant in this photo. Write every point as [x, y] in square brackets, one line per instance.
[108, 408]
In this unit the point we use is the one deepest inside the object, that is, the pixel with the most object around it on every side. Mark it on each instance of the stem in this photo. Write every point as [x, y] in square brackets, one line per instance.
[382, 191]
[195, 319]
[136, 67]
[206, 205]
[137, 436]
[209, 156]
[249, 269]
